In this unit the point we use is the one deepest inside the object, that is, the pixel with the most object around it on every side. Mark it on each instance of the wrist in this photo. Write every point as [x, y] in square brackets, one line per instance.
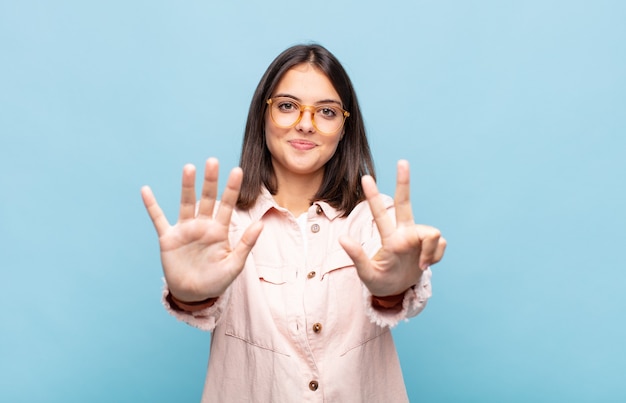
[390, 302]
[189, 306]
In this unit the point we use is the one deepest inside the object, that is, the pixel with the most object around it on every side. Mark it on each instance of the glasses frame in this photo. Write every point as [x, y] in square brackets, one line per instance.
[303, 108]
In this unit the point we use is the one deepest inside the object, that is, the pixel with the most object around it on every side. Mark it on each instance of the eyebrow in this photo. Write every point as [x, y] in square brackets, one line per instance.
[323, 101]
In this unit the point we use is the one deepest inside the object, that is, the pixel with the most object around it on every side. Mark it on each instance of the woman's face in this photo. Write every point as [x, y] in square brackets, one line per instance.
[302, 149]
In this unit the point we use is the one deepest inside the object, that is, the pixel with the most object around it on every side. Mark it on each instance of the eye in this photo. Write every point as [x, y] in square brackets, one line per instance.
[328, 112]
[287, 106]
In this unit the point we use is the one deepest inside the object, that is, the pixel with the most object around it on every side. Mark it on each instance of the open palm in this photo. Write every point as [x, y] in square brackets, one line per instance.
[407, 248]
[198, 260]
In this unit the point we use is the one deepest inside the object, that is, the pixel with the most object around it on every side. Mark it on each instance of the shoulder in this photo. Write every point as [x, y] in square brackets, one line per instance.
[244, 217]
[363, 207]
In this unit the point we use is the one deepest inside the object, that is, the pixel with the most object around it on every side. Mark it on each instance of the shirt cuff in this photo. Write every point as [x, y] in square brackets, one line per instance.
[415, 299]
[205, 318]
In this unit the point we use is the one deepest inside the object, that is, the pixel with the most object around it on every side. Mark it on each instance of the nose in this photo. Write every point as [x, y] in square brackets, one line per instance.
[305, 124]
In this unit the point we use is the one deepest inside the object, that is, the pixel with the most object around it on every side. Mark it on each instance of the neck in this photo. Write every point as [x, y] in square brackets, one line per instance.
[295, 192]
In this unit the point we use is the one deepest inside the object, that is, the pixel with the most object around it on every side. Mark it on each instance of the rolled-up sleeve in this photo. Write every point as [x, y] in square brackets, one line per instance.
[414, 302]
[204, 319]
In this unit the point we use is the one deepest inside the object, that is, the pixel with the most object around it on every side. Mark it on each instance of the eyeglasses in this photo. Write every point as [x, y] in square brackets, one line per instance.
[326, 118]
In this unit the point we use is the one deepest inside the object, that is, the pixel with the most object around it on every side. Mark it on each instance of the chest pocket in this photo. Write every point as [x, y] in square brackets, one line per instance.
[347, 302]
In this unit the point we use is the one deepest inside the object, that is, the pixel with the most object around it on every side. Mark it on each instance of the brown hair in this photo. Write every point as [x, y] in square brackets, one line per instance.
[341, 185]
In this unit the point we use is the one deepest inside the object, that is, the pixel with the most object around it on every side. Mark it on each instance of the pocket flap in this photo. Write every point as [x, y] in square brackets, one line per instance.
[275, 275]
[337, 259]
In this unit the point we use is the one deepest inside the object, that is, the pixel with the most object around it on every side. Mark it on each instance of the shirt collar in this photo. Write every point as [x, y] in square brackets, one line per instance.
[265, 202]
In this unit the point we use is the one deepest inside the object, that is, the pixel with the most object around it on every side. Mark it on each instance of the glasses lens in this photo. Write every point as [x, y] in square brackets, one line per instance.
[285, 111]
[328, 118]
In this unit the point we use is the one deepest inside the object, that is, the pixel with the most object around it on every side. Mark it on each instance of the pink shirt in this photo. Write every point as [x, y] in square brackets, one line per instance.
[297, 325]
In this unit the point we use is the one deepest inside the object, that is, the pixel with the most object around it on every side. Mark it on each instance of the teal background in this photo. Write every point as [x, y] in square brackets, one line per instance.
[512, 114]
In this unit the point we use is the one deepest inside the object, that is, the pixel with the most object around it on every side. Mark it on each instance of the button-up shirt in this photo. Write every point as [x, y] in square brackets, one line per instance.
[298, 325]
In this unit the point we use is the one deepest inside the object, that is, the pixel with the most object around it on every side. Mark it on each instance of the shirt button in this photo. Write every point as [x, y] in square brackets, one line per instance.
[310, 275]
[313, 385]
[315, 228]
[317, 327]
[318, 210]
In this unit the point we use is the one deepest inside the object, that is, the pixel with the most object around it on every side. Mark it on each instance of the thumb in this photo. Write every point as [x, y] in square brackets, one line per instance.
[356, 253]
[246, 243]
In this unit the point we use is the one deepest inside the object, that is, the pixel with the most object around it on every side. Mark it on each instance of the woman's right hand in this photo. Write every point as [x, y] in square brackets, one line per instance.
[198, 261]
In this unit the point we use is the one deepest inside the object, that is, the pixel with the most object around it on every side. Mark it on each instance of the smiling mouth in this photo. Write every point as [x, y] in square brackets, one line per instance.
[302, 144]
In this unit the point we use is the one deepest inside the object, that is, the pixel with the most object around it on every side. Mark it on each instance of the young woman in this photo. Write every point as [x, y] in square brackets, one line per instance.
[303, 267]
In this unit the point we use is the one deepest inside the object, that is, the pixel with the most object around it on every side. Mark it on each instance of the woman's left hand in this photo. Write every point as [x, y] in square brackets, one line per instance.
[408, 249]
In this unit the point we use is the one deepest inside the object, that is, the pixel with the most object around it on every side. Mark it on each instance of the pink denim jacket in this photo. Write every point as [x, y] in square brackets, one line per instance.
[298, 325]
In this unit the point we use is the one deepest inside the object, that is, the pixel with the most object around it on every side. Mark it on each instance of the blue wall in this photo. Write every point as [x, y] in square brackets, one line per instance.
[512, 114]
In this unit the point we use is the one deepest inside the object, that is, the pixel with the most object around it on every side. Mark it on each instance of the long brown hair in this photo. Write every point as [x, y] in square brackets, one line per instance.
[341, 185]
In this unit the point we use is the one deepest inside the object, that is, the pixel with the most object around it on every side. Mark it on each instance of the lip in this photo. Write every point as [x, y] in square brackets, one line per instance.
[302, 145]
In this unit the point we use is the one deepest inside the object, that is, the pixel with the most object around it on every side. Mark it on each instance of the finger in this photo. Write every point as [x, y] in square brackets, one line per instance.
[404, 212]
[384, 223]
[188, 194]
[356, 253]
[229, 198]
[441, 248]
[209, 188]
[430, 243]
[247, 242]
[154, 211]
